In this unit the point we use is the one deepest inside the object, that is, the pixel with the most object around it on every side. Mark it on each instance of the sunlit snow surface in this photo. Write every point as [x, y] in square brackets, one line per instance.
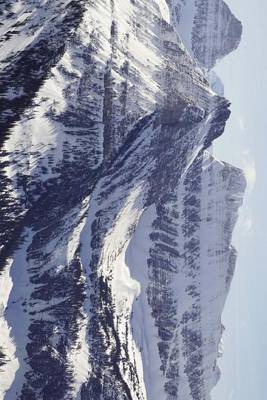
[116, 217]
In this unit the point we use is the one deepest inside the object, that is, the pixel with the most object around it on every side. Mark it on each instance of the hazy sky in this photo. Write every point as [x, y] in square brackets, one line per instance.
[244, 144]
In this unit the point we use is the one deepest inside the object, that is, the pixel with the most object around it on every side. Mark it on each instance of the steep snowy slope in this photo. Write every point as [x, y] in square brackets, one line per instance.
[116, 226]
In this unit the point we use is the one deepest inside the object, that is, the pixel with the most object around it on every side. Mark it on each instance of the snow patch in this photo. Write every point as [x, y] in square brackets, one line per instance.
[164, 10]
[7, 345]
[17, 318]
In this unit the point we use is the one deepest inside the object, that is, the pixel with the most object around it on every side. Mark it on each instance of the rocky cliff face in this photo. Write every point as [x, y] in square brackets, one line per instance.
[116, 225]
[207, 27]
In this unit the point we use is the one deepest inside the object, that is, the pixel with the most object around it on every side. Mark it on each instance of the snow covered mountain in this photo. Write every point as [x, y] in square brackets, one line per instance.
[116, 219]
[207, 27]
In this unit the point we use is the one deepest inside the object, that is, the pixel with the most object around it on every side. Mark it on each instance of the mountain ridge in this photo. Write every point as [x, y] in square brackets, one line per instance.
[121, 213]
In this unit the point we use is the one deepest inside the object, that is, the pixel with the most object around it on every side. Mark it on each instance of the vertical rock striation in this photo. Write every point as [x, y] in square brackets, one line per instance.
[208, 28]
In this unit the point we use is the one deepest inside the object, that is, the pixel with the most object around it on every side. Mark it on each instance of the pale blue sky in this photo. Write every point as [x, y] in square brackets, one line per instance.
[244, 143]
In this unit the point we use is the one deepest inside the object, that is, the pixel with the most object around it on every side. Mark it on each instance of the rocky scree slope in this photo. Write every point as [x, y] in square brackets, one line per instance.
[116, 219]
